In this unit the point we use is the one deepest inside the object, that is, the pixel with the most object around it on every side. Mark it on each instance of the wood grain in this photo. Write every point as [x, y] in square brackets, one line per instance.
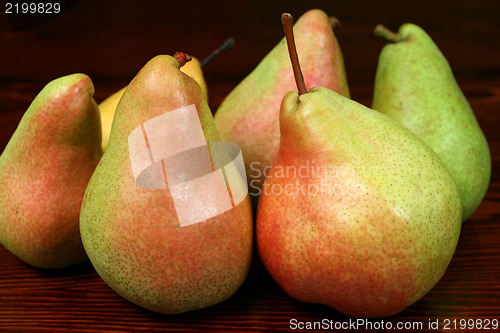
[110, 41]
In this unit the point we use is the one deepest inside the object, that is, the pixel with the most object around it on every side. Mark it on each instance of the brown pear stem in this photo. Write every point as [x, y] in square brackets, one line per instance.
[287, 21]
[229, 43]
[334, 22]
[383, 31]
[182, 58]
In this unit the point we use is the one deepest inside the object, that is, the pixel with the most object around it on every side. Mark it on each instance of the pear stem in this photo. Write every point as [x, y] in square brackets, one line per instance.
[287, 21]
[383, 31]
[229, 43]
[334, 22]
[182, 58]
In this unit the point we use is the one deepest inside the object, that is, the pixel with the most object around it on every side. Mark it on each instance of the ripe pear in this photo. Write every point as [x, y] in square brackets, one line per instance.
[132, 234]
[415, 86]
[249, 115]
[357, 212]
[108, 106]
[107, 109]
[44, 171]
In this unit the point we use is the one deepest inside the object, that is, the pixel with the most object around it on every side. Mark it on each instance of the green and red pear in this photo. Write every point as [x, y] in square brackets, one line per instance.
[357, 212]
[44, 171]
[131, 224]
[249, 115]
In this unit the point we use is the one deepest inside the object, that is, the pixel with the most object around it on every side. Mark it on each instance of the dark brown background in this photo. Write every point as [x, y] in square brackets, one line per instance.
[111, 40]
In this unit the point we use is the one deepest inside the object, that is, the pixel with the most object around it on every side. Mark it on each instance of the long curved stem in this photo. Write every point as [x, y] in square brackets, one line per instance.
[287, 21]
[226, 45]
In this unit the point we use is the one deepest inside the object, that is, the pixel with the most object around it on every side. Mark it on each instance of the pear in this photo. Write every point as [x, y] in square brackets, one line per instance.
[249, 115]
[107, 109]
[357, 212]
[415, 86]
[108, 106]
[132, 215]
[44, 171]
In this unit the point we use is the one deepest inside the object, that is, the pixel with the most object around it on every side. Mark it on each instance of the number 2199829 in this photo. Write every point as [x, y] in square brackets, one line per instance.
[32, 8]
[470, 324]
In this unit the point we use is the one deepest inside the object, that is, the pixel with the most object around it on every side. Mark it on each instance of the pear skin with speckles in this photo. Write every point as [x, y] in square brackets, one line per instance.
[132, 234]
[249, 115]
[44, 171]
[415, 86]
[357, 212]
[108, 106]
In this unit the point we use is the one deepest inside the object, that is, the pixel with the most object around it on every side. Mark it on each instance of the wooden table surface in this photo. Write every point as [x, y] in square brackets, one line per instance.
[111, 40]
